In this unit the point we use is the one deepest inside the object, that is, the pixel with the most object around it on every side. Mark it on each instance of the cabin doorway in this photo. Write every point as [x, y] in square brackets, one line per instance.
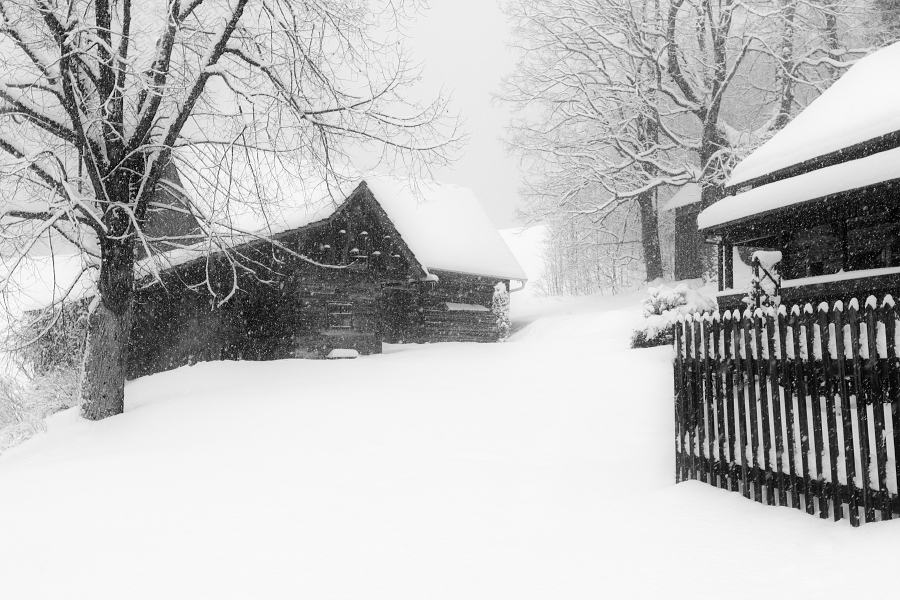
[394, 314]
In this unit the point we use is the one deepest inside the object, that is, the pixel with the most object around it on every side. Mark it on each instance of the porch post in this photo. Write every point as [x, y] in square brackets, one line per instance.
[729, 265]
[720, 254]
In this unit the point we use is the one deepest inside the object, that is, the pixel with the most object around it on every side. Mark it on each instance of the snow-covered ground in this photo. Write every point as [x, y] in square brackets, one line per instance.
[539, 468]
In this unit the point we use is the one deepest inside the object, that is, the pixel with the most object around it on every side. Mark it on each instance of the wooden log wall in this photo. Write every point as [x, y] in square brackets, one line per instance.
[426, 318]
[286, 317]
[797, 408]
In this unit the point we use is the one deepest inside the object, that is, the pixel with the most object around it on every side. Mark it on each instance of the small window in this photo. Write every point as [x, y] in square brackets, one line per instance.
[340, 315]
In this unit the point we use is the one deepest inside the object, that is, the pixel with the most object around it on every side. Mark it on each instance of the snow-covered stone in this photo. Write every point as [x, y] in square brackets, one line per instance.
[343, 353]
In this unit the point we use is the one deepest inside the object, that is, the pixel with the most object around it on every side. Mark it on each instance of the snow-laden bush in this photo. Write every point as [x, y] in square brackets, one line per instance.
[25, 406]
[44, 349]
[500, 307]
[659, 310]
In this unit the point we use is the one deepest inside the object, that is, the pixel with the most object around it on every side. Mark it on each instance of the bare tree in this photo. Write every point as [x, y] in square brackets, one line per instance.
[103, 105]
[587, 88]
[632, 95]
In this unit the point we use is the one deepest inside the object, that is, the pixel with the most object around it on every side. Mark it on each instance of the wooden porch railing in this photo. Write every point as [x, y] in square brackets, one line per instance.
[799, 408]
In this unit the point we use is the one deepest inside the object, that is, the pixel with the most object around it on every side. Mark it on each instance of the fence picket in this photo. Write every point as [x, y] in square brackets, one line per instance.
[721, 429]
[740, 397]
[846, 414]
[731, 414]
[889, 317]
[689, 398]
[762, 370]
[750, 366]
[753, 388]
[814, 385]
[697, 404]
[862, 414]
[830, 416]
[800, 370]
[877, 399]
[775, 381]
[788, 404]
[708, 403]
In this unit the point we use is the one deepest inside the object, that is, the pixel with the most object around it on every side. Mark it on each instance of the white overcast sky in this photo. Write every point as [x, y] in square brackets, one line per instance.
[462, 46]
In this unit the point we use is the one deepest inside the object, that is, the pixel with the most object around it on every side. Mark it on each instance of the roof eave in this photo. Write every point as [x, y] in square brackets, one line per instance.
[882, 143]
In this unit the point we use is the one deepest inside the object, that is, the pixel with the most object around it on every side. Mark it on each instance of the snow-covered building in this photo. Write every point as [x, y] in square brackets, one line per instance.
[824, 192]
[386, 264]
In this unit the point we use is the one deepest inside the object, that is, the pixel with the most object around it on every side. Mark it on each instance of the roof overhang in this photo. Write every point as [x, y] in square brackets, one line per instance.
[847, 179]
[690, 193]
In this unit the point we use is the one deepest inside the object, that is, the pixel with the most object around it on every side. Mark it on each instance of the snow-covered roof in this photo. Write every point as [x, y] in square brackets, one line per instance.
[688, 194]
[843, 177]
[446, 228]
[860, 106]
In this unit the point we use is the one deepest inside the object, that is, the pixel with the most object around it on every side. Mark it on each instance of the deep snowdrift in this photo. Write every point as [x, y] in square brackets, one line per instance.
[539, 468]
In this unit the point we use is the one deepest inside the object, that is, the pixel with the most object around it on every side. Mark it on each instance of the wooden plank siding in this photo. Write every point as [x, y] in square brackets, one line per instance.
[286, 318]
[804, 400]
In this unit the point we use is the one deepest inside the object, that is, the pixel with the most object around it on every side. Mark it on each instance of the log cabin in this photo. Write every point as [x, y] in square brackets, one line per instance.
[825, 192]
[384, 265]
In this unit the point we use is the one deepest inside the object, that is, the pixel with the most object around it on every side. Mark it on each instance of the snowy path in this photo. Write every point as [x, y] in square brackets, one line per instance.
[541, 468]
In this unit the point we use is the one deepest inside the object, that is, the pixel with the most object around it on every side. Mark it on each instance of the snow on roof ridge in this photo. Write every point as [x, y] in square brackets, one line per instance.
[422, 222]
[446, 227]
[858, 107]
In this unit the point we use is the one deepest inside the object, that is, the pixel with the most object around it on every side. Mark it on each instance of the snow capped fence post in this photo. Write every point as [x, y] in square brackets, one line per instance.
[678, 373]
[801, 351]
[705, 321]
[888, 317]
[787, 379]
[775, 380]
[783, 386]
[830, 418]
[718, 382]
[762, 367]
[873, 368]
[728, 346]
[500, 307]
[843, 392]
[862, 414]
[814, 356]
[740, 398]
[750, 388]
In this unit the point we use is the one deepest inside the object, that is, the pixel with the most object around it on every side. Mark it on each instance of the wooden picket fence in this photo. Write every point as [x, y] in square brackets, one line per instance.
[797, 407]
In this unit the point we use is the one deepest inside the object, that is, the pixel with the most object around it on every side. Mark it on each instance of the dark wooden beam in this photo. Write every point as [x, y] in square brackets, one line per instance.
[728, 250]
[720, 253]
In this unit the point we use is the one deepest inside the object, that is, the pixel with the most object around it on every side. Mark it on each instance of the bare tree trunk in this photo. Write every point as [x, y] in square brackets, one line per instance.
[687, 243]
[650, 235]
[105, 363]
[109, 326]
